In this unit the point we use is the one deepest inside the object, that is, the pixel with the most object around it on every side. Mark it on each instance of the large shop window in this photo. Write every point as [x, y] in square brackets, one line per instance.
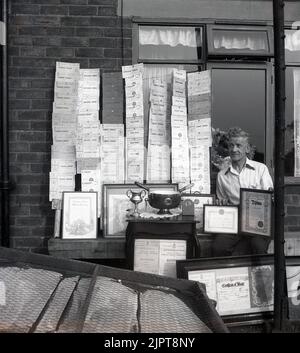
[292, 107]
[246, 104]
[241, 87]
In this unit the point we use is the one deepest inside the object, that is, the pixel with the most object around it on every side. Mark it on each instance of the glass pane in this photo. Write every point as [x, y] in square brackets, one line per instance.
[240, 40]
[292, 46]
[243, 105]
[170, 43]
[289, 121]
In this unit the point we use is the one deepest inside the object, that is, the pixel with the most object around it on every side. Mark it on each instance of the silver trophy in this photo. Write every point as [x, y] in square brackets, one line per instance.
[135, 197]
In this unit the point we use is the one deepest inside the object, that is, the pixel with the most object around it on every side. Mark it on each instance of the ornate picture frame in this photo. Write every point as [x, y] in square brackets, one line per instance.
[79, 215]
[256, 212]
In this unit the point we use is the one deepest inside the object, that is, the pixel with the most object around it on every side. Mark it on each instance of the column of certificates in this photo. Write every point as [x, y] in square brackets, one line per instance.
[179, 132]
[133, 76]
[112, 153]
[158, 158]
[64, 120]
[88, 132]
[199, 128]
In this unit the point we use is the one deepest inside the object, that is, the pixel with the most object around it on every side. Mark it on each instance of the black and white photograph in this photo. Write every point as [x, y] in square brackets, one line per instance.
[149, 170]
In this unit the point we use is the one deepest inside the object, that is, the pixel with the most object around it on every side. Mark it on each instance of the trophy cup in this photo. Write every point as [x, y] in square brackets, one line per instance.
[135, 197]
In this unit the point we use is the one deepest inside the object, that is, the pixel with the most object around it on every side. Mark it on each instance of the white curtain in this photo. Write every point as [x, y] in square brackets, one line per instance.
[169, 36]
[240, 41]
[292, 40]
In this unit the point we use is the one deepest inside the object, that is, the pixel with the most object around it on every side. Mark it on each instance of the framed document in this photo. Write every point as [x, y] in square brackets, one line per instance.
[157, 254]
[242, 286]
[117, 206]
[256, 213]
[199, 200]
[79, 215]
[221, 219]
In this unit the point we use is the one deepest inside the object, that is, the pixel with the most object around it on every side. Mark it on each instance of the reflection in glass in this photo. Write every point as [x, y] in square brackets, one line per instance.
[289, 121]
[292, 46]
[239, 99]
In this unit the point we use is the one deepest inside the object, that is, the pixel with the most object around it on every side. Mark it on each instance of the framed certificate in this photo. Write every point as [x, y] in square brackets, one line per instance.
[256, 212]
[221, 219]
[198, 200]
[157, 254]
[243, 286]
[79, 215]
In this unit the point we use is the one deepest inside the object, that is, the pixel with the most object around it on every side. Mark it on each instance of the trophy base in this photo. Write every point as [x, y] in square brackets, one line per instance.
[134, 215]
[164, 211]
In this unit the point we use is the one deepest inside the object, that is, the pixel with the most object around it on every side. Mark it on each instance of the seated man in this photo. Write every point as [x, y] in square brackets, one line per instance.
[243, 173]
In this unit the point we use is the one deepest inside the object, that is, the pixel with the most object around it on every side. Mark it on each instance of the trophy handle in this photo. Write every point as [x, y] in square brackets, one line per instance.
[129, 193]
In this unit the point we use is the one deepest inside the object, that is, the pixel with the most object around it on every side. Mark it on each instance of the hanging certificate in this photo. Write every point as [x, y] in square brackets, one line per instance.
[256, 212]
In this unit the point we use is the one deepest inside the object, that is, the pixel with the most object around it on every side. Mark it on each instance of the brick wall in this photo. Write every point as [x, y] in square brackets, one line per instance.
[42, 32]
[292, 209]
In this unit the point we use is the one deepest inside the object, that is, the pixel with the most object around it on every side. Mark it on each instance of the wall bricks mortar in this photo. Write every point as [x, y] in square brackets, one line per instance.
[83, 10]
[106, 11]
[53, 10]
[42, 32]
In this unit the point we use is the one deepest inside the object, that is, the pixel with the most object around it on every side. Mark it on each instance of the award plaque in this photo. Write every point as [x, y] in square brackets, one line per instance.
[256, 212]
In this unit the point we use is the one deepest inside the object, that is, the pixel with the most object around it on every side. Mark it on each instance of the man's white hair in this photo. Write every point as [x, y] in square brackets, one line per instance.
[237, 132]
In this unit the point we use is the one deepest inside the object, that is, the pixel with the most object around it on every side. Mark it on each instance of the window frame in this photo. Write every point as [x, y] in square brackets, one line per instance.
[291, 180]
[269, 106]
[212, 52]
[159, 23]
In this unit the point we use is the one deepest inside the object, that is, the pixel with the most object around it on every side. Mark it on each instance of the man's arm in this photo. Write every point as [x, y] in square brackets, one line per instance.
[221, 194]
[266, 181]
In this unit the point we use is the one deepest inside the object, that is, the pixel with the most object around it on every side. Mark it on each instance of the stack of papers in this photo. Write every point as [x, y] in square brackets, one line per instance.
[88, 132]
[158, 158]
[179, 132]
[112, 153]
[199, 129]
[133, 76]
[64, 123]
[88, 124]
[199, 95]
[76, 131]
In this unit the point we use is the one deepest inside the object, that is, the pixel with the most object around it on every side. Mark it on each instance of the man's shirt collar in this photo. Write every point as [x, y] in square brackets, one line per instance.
[249, 164]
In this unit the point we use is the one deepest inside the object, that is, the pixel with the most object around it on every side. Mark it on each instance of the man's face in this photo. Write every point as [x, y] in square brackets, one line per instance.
[238, 148]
